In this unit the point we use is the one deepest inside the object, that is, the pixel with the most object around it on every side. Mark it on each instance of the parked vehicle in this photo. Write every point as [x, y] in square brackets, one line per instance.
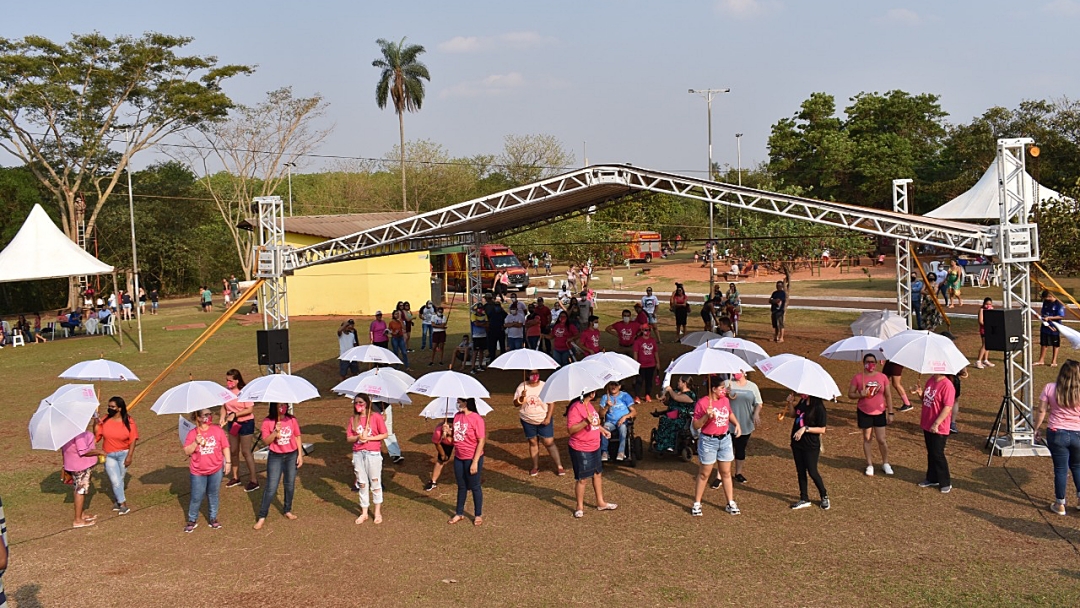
[493, 258]
[643, 245]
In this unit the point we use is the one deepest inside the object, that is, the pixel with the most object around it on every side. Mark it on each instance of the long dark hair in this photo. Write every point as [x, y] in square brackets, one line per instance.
[236, 375]
[591, 395]
[122, 406]
[273, 413]
[470, 404]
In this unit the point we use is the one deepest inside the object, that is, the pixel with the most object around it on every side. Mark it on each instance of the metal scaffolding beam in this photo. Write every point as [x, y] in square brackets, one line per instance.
[904, 304]
[270, 256]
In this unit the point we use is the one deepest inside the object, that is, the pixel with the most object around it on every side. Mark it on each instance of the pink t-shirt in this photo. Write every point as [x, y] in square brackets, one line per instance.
[437, 436]
[645, 352]
[590, 340]
[875, 403]
[468, 431]
[588, 438]
[377, 332]
[287, 437]
[239, 406]
[73, 451]
[719, 420]
[560, 336]
[937, 395]
[374, 424]
[207, 459]
[1060, 418]
[627, 331]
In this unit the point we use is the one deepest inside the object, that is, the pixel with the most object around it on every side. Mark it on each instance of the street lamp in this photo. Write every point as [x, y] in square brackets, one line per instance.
[129, 134]
[738, 149]
[289, 168]
[708, 95]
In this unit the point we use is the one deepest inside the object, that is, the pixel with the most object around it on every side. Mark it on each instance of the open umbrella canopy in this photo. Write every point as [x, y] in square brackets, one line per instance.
[698, 338]
[369, 353]
[879, 324]
[278, 388]
[62, 415]
[446, 407]
[852, 349]
[620, 365]
[924, 352]
[743, 349]
[379, 386]
[799, 374]
[524, 358]
[705, 361]
[99, 370]
[572, 381]
[191, 397]
[1070, 334]
[447, 383]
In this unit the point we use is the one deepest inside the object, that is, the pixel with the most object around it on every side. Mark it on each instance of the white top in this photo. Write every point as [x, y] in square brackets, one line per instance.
[649, 303]
[515, 332]
[436, 320]
[346, 341]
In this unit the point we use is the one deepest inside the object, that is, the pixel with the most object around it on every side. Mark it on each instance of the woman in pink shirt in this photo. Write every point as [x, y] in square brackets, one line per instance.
[281, 434]
[875, 411]
[365, 431]
[80, 455]
[584, 426]
[443, 438]
[938, 397]
[470, 436]
[238, 418]
[1062, 400]
[561, 334]
[713, 417]
[647, 354]
[209, 461]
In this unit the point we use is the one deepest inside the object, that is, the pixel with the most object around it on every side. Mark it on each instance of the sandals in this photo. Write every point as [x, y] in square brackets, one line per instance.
[608, 507]
[86, 523]
[455, 519]
[479, 521]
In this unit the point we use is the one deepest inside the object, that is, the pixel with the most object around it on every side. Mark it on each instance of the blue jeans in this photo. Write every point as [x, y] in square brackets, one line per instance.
[425, 336]
[204, 486]
[467, 481]
[534, 342]
[562, 357]
[278, 466]
[1065, 451]
[514, 343]
[610, 426]
[397, 344]
[116, 471]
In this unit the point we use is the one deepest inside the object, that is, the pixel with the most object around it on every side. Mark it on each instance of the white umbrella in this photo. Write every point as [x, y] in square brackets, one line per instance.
[743, 349]
[446, 407]
[191, 397]
[852, 349]
[183, 427]
[369, 353]
[278, 388]
[705, 361]
[99, 369]
[379, 386]
[800, 375]
[571, 381]
[924, 352]
[62, 415]
[448, 383]
[620, 365]
[1068, 333]
[698, 338]
[524, 358]
[884, 324]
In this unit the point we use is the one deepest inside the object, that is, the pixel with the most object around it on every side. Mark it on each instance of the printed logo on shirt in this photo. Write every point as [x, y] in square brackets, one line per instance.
[209, 445]
[647, 348]
[284, 435]
[461, 429]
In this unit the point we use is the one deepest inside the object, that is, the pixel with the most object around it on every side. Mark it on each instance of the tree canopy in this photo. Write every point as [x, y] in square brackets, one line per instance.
[401, 81]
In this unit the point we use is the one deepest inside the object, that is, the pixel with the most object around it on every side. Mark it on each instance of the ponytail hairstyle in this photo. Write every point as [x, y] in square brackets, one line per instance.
[234, 374]
[470, 404]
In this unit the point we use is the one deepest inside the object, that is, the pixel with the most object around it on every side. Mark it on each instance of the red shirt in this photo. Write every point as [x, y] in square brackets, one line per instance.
[373, 422]
[588, 438]
[545, 315]
[561, 335]
[208, 458]
[627, 332]
[641, 319]
[117, 436]
[590, 340]
[645, 351]
[287, 440]
[468, 430]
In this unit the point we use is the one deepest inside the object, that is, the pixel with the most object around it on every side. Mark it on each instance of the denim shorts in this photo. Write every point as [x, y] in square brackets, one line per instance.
[546, 431]
[246, 427]
[711, 449]
[586, 464]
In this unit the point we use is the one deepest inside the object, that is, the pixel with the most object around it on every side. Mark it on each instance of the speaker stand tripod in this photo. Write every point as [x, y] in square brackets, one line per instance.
[997, 440]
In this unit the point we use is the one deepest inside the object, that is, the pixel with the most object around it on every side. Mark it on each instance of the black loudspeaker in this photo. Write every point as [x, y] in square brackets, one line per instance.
[273, 346]
[1004, 329]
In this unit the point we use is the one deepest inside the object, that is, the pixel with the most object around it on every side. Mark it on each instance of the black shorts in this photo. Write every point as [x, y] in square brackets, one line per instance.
[479, 343]
[680, 316]
[866, 421]
[438, 337]
[892, 370]
[1053, 339]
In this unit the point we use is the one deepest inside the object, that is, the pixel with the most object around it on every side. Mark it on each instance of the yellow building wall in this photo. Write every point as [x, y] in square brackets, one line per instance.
[358, 287]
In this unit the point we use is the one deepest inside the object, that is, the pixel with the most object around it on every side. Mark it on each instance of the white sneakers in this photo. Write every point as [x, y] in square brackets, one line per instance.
[885, 468]
[870, 470]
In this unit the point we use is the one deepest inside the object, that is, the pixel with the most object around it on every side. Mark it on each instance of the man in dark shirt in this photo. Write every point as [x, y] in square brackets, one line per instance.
[778, 307]
[545, 324]
[496, 330]
[1052, 312]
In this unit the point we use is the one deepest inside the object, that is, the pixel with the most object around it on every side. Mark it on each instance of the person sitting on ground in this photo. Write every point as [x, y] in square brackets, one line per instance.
[462, 353]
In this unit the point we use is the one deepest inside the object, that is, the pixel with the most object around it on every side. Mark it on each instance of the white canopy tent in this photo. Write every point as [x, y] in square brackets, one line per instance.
[982, 201]
[41, 251]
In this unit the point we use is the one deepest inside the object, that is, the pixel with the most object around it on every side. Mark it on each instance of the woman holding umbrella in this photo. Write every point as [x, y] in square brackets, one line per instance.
[365, 431]
[808, 425]
[536, 421]
[281, 434]
[470, 436]
[938, 397]
[713, 416]
[209, 460]
[874, 412]
[583, 424]
[118, 434]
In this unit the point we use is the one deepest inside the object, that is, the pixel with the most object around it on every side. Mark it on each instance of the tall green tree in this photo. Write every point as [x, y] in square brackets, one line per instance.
[61, 104]
[401, 81]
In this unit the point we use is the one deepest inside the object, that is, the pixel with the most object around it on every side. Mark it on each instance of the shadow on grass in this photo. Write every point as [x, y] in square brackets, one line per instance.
[1039, 530]
[52, 485]
[27, 596]
[177, 478]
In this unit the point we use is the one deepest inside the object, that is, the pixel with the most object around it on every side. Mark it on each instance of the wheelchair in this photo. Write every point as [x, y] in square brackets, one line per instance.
[685, 439]
[634, 446]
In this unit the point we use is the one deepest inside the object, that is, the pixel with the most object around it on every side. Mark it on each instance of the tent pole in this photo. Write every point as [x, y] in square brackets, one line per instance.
[119, 328]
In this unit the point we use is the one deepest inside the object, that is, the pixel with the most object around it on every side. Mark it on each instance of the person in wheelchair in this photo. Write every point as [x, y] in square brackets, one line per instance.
[617, 408]
[679, 399]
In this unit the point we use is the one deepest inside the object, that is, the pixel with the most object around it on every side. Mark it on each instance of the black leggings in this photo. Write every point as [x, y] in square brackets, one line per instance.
[740, 446]
[645, 378]
[806, 464]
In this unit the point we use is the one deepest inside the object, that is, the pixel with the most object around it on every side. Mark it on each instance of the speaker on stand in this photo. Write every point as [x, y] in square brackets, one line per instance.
[1004, 332]
[273, 346]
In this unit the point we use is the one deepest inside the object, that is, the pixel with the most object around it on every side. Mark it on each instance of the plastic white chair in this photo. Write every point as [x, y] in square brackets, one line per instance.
[109, 328]
[17, 339]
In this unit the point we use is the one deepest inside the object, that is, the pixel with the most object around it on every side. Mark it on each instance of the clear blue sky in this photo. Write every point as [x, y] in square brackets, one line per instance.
[614, 73]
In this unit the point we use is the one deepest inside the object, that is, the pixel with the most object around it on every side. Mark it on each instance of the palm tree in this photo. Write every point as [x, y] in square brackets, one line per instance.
[401, 80]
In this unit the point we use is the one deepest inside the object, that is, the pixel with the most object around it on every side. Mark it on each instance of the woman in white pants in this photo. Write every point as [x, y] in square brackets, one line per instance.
[365, 432]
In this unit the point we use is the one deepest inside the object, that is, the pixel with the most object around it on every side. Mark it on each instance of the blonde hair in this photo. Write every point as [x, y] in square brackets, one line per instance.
[1067, 390]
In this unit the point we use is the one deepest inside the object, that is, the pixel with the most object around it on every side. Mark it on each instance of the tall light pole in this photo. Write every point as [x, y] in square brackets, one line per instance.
[708, 95]
[289, 168]
[134, 252]
[738, 151]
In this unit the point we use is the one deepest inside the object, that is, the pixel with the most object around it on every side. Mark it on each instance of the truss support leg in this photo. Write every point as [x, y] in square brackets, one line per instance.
[903, 256]
[473, 276]
[1017, 247]
[271, 254]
